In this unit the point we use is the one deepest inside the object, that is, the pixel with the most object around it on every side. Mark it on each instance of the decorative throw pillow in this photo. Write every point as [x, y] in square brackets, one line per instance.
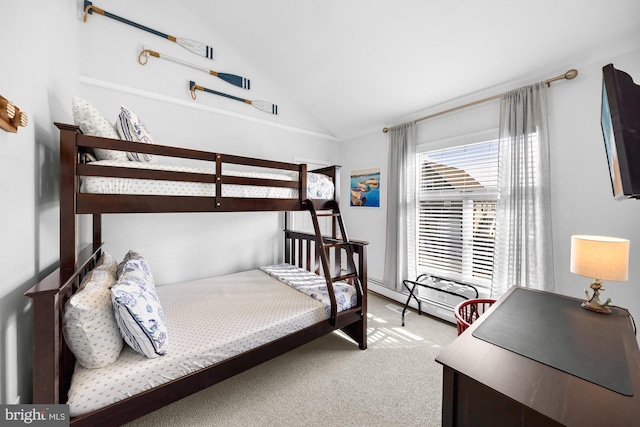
[138, 310]
[135, 265]
[88, 323]
[107, 263]
[93, 122]
[131, 128]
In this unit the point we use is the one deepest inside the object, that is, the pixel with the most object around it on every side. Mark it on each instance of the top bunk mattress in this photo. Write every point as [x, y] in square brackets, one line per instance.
[208, 321]
[319, 186]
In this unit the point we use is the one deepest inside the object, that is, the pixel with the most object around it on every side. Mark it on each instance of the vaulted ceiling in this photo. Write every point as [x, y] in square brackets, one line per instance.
[357, 65]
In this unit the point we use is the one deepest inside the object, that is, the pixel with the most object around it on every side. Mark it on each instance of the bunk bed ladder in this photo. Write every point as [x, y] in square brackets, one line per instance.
[324, 246]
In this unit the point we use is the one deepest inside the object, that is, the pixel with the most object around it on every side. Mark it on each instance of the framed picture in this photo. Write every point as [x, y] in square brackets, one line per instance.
[365, 188]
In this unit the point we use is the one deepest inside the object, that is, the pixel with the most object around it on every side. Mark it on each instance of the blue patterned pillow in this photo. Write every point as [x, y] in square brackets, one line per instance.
[138, 310]
[135, 264]
[131, 128]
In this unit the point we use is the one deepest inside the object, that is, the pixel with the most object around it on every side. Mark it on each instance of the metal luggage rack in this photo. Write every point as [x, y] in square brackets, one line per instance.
[446, 285]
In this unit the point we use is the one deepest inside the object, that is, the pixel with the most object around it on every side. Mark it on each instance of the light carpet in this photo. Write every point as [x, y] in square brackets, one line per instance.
[330, 382]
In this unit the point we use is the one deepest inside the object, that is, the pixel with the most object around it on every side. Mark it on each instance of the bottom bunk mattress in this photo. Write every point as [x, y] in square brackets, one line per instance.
[208, 321]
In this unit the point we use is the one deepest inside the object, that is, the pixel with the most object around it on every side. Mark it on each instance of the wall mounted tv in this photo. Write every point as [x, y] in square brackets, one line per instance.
[620, 120]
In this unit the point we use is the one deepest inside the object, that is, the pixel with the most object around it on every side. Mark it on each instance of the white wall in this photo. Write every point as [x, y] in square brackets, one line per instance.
[366, 223]
[582, 202]
[39, 69]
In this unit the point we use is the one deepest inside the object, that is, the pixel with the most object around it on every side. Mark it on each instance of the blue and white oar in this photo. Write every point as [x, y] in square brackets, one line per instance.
[191, 45]
[260, 105]
[229, 78]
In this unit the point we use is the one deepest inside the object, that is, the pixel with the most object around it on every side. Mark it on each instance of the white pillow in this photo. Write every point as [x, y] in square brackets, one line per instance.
[93, 122]
[138, 311]
[88, 323]
[107, 263]
[131, 128]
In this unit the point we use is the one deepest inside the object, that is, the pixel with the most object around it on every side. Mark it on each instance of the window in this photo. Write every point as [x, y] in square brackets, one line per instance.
[457, 198]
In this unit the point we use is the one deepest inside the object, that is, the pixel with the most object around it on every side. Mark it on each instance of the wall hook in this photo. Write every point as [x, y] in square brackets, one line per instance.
[11, 117]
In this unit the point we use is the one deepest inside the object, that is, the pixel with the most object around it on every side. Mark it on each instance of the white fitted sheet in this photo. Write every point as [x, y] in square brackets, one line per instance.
[208, 321]
[319, 186]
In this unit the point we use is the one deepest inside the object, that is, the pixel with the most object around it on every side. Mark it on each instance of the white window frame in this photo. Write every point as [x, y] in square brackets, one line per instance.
[478, 137]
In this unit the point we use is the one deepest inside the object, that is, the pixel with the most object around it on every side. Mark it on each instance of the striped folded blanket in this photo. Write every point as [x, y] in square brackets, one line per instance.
[313, 285]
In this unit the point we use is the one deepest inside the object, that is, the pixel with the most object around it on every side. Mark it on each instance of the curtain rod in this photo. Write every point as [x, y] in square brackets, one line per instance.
[569, 75]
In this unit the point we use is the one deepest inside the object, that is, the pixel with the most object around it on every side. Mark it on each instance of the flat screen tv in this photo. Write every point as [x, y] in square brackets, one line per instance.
[620, 120]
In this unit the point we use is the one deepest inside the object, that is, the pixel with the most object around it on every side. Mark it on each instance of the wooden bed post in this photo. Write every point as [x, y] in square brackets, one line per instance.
[358, 330]
[336, 184]
[46, 342]
[97, 229]
[68, 184]
[302, 191]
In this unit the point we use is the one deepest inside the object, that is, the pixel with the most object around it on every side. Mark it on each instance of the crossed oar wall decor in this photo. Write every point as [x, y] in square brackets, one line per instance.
[260, 105]
[191, 45]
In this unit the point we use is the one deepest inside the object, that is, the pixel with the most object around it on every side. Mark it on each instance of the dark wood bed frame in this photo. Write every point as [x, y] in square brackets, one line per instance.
[53, 362]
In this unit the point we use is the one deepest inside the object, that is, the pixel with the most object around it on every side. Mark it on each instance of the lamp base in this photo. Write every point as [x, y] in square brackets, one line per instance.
[594, 303]
[596, 308]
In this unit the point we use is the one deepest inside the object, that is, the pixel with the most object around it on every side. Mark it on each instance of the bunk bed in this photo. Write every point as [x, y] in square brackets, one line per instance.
[337, 260]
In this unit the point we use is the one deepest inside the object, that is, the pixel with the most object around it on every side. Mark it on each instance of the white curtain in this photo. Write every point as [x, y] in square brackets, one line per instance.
[523, 252]
[399, 259]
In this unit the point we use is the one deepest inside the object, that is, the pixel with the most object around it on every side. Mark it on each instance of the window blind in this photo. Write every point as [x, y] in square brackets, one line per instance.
[457, 210]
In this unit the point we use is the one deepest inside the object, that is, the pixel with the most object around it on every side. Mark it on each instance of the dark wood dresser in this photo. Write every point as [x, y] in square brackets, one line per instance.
[485, 384]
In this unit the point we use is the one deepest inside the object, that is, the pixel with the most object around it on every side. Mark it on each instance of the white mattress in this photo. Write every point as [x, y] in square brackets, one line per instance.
[208, 321]
[318, 186]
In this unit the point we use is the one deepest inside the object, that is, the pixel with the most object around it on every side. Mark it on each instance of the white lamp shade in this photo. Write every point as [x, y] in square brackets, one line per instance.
[600, 257]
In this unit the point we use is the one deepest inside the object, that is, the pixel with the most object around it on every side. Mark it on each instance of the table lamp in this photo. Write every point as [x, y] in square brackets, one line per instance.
[600, 258]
